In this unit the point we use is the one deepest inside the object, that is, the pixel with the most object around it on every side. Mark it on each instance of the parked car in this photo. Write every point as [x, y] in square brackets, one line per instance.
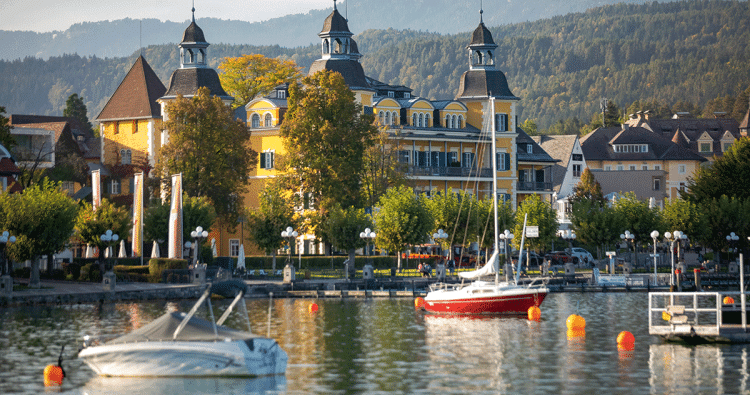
[582, 255]
[534, 259]
[561, 258]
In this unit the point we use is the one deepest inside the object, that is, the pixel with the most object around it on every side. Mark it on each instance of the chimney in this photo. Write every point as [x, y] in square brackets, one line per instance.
[720, 114]
[647, 114]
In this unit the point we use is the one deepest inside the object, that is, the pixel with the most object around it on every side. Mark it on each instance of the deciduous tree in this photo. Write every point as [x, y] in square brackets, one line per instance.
[248, 76]
[196, 211]
[90, 225]
[342, 227]
[210, 148]
[402, 219]
[541, 214]
[6, 139]
[727, 175]
[42, 219]
[270, 219]
[326, 135]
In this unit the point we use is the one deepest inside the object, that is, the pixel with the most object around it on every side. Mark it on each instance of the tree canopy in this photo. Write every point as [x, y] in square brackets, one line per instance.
[210, 148]
[248, 76]
[727, 175]
[326, 135]
[6, 139]
[402, 219]
[76, 108]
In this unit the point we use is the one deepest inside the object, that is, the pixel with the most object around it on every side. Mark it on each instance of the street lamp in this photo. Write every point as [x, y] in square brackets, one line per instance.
[506, 237]
[732, 239]
[440, 235]
[289, 234]
[628, 238]
[367, 235]
[109, 239]
[188, 246]
[655, 235]
[198, 234]
[672, 238]
[6, 239]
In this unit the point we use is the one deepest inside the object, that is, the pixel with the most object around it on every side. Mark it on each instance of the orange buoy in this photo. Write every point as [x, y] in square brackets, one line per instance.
[53, 375]
[418, 303]
[626, 347]
[728, 300]
[313, 308]
[625, 339]
[576, 323]
[534, 313]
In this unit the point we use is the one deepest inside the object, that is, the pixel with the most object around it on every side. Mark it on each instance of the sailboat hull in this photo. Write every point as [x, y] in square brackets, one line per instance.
[484, 300]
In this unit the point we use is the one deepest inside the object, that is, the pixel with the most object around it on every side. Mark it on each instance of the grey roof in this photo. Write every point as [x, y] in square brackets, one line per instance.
[350, 69]
[597, 145]
[193, 34]
[537, 153]
[186, 82]
[559, 147]
[335, 23]
[484, 83]
[481, 36]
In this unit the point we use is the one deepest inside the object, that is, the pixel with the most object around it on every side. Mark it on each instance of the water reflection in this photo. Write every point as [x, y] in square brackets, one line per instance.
[179, 386]
[385, 346]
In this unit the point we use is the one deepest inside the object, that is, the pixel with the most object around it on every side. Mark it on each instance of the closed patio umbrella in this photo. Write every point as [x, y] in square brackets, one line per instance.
[155, 253]
[123, 253]
[241, 257]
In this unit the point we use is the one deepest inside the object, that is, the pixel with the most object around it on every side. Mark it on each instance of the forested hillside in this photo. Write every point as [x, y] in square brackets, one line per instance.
[688, 51]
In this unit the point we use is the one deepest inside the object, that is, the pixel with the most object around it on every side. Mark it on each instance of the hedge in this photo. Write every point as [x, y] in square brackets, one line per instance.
[321, 262]
[157, 265]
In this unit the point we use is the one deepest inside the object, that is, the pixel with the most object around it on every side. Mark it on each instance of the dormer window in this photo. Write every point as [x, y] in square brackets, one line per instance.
[391, 94]
[529, 148]
[281, 95]
[407, 95]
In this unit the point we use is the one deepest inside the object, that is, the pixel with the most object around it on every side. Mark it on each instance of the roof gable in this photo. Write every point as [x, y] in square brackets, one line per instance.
[136, 96]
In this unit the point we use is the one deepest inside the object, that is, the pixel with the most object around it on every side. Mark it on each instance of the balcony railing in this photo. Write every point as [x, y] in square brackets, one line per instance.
[448, 171]
[534, 186]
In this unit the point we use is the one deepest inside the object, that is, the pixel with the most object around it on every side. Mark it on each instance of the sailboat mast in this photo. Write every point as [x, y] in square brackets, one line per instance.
[494, 181]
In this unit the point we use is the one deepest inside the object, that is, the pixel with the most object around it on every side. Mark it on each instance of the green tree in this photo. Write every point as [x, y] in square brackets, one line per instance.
[6, 139]
[637, 218]
[42, 219]
[196, 211]
[530, 127]
[402, 219]
[90, 225]
[485, 225]
[75, 108]
[248, 76]
[683, 215]
[270, 219]
[595, 224]
[727, 175]
[343, 226]
[210, 148]
[587, 189]
[720, 217]
[452, 212]
[541, 214]
[326, 135]
[612, 117]
[382, 168]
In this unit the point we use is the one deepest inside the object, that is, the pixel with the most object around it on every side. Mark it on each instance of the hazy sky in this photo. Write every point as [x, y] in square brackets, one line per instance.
[50, 15]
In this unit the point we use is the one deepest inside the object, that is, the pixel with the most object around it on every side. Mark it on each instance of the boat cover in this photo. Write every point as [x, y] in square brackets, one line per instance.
[487, 269]
[197, 329]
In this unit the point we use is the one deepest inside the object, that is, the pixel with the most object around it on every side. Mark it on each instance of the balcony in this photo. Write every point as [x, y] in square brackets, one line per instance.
[415, 171]
[531, 186]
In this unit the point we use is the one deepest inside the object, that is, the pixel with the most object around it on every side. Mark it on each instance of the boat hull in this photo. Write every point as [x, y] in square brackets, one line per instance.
[484, 301]
[187, 359]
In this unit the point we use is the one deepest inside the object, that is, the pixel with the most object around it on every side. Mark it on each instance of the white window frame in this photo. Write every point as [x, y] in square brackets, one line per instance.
[681, 169]
[115, 187]
[268, 120]
[255, 120]
[234, 247]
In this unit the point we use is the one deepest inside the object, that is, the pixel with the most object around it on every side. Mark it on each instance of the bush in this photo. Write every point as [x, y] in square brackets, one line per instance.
[72, 270]
[157, 265]
[22, 272]
[90, 272]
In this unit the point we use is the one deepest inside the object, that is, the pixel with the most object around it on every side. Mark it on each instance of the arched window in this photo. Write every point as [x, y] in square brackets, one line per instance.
[269, 121]
[394, 118]
[448, 122]
[337, 47]
[479, 58]
[427, 120]
[490, 58]
[382, 118]
[414, 120]
[460, 122]
[387, 118]
[202, 58]
[126, 156]
[456, 125]
[421, 120]
[255, 121]
[326, 47]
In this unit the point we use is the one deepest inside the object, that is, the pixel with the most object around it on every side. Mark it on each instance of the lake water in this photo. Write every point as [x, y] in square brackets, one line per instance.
[384, 346]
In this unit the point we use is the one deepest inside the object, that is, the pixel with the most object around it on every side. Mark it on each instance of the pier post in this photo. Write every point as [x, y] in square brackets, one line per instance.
[678, 274]
[697, 273]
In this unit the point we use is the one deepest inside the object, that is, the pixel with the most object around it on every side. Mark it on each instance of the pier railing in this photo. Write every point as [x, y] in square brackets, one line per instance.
[684, 313]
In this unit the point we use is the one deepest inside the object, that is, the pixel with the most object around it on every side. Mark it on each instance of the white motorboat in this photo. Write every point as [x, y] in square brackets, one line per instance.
[180, 345]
